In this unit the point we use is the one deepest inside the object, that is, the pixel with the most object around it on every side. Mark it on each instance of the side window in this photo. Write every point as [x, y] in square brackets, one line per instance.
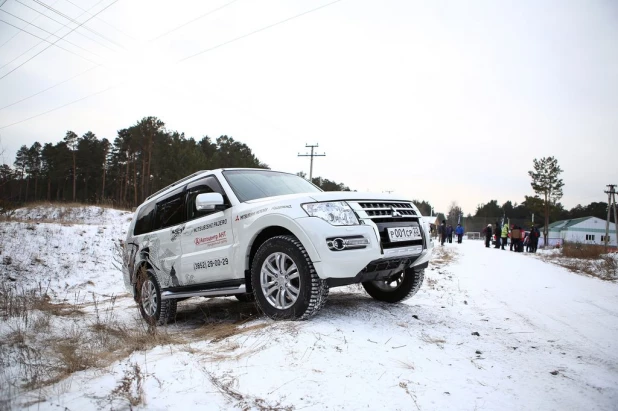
[209, 184]
[145, 218]
[170, 211]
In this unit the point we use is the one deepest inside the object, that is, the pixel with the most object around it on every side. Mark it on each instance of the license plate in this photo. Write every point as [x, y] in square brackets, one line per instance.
[404, 233]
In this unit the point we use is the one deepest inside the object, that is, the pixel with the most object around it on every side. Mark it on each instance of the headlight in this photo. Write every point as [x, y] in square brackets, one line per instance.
[336, 213]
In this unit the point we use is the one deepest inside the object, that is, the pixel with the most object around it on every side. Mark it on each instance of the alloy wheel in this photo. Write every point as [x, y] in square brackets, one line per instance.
[280, 280]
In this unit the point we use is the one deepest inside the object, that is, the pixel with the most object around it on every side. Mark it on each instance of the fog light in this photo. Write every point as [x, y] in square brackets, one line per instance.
[346, 243]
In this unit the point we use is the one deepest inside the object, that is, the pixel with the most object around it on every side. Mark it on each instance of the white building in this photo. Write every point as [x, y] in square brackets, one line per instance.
[587, 230]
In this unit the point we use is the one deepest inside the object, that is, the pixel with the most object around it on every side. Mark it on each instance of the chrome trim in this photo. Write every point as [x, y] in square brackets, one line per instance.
[414, 250]
[167, 295]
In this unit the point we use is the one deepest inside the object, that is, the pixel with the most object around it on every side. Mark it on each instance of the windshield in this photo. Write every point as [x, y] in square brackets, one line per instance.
[253, 184]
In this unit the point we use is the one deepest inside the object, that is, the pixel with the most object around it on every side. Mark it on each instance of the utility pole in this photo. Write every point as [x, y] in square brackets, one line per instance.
[311, 155]
[611, 202]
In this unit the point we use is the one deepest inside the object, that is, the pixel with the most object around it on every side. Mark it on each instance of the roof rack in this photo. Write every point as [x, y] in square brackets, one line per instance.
[175, 183]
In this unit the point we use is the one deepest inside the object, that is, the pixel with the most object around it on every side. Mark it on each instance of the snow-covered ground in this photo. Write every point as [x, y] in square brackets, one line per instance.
[489, 329]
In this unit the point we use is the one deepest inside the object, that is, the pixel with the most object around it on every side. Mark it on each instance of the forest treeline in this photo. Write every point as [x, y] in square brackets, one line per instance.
[140, 160]
[520, 214]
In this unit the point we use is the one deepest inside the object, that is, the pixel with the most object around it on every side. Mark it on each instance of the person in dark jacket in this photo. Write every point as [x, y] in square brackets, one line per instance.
[498, 229]
[534, 238]
[442, 231]
[449, 233]
[515, 238]
[487, 235]
[459, 231]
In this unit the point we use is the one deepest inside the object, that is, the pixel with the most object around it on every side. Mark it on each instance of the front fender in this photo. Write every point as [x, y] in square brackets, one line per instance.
[248, 232]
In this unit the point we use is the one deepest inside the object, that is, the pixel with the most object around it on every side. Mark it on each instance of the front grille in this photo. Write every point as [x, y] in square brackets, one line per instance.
[381, 213]
[395, 220]
[378, 209]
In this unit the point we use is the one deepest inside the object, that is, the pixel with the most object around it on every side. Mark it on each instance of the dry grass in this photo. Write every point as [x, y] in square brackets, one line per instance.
[581, 250]
[225, 385]
[217, 332]
[131, 387]
[443, 256]
[31, 223]
[431, 340]
[66, 213]
[47, 342]
[589, 259]
[406, 365]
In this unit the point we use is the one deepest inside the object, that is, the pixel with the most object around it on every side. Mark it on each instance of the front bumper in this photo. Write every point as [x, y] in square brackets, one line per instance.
[349, 264]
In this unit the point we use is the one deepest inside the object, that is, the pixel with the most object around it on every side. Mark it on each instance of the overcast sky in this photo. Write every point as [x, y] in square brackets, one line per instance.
[436, 100]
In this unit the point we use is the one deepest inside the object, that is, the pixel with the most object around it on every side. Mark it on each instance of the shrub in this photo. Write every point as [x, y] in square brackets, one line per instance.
[576, 249]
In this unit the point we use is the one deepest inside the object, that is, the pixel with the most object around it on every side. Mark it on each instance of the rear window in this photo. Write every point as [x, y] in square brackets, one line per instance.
[145, 218]
[170, 212]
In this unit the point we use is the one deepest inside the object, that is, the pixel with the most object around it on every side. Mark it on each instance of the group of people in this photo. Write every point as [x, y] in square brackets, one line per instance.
[446, 232]
[519, 238]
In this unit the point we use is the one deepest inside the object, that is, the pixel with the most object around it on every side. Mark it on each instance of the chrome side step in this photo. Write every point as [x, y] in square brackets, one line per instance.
[241, 289]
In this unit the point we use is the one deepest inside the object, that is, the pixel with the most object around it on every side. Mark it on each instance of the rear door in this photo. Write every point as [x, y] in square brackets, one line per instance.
[165, 249]
[207, 239]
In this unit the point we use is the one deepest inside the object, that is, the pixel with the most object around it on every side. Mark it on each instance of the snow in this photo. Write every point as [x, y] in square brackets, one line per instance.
[489, 329]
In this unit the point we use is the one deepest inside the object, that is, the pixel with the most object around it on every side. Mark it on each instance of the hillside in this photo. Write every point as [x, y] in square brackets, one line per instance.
[489, 329]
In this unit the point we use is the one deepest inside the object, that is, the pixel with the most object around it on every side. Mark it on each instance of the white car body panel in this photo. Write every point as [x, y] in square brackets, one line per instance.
[202, 242]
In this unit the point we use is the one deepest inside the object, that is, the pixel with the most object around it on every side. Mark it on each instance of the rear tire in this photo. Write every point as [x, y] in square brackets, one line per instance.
[284, 281]
[154, 310]
[397, 288]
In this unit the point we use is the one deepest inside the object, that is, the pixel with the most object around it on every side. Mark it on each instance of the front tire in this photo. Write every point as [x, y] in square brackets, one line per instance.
[154, 310]
[284, 281]
[396, 288]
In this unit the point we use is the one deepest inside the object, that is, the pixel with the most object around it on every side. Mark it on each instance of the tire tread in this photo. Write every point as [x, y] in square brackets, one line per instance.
[319, 287]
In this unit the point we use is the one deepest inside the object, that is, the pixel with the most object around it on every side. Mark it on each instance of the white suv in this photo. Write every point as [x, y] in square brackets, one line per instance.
[273, 237]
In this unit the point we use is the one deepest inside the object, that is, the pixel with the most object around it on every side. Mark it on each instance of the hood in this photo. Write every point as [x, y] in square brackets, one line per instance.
[354, 196]
[330, 196]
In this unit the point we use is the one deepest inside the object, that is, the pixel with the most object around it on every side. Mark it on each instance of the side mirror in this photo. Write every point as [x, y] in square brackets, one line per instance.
[208, 201]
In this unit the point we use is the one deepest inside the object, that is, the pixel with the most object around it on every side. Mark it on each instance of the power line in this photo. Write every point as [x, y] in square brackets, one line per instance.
[258, 30]
[49, 88]
[76, 22]
[193, 20]
[63, 24]
[16, 34]
[41, 38]
[116, 85]
[58, 108]
[92, 68]
[103, 21]
[72, 30]
[42, 29]
[36, 45]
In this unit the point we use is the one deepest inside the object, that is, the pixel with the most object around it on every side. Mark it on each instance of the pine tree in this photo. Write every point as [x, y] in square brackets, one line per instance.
[21, 161]
[545, 182]
[71, 141]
